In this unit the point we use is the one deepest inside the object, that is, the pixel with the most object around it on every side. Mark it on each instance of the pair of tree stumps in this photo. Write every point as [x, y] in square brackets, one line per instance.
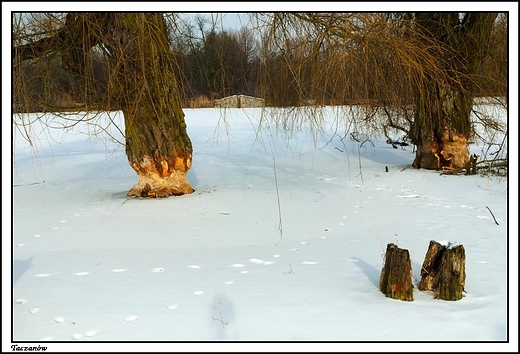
[443, 272]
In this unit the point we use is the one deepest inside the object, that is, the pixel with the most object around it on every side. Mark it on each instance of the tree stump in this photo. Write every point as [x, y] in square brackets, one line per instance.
[444, 271]
[396, 276]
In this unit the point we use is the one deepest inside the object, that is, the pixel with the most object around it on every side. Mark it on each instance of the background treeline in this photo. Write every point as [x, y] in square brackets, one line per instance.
[212, 63]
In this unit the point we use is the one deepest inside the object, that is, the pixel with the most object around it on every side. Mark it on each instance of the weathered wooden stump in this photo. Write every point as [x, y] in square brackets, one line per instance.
[444, 270]
[396, 276]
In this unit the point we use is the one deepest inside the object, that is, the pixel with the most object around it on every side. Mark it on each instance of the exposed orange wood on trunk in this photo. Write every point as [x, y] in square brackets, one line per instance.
[161, 180]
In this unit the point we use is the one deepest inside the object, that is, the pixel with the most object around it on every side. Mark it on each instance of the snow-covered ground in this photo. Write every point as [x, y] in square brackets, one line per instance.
[282, 241]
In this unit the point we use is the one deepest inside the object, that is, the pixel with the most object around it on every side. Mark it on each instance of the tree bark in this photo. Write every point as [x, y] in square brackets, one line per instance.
[442, 125]
[141, 83]
[157, 144]
[396, 276]
[444, 271]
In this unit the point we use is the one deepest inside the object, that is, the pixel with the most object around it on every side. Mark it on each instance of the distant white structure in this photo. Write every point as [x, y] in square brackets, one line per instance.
[239, 101]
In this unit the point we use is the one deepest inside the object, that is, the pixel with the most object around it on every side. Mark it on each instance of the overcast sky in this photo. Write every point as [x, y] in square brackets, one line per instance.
[226, 21]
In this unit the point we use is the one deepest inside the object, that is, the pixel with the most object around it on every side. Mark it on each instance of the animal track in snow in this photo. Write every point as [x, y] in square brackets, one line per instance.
[77, 336]
[229, 282]
[259, 261]
[158, 270]
[42, 275]
[131, 318]
[59, 319]
[195, 266]
[63, 221]
[238, 265]
[198, 292]
[34, 310]
[172, 307]
[80, 273]
[408, 196]
[36, 236]
[244, 271]
[91, 333]
[20, 301]
[311, 263]
[119, 270]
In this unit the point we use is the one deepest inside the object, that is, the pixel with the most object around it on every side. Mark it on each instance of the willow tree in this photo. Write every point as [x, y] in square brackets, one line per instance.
[442, 125]
[139, 81]
[416, 73]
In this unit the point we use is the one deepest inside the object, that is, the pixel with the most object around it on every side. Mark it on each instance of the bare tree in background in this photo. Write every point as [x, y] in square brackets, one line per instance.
[139, 81]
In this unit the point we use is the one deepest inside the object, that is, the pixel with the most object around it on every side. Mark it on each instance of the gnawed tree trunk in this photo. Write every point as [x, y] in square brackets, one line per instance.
[444, 271]
[157, 144]
[141, 83]
[396, 276]
[442, 125]
[442, 128]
